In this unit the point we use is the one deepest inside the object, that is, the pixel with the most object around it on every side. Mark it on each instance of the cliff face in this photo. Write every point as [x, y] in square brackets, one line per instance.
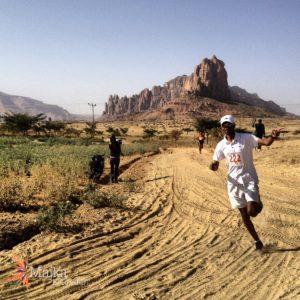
[147, 99]
[208, 80]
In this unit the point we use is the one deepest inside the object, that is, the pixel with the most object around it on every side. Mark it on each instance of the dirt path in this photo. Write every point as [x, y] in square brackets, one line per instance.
[184, 242]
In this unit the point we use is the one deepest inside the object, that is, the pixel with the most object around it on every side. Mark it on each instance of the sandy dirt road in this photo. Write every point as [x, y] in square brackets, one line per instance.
[183, 241]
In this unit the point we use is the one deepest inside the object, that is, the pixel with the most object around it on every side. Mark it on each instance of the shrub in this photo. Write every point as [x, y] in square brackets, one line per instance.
[124, 130]
[149, 133]
[11, 194]
[52, 218]
[99, 199]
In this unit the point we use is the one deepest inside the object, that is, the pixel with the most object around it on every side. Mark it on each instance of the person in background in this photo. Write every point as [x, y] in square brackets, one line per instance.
[259, 130]
[115, 153]
[242, 180]
[201, 140]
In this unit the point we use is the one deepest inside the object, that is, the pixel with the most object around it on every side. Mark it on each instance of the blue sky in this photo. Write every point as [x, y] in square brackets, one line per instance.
[70, 53]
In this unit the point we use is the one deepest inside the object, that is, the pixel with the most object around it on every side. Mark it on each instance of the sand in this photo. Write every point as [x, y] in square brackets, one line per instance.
[182, 240]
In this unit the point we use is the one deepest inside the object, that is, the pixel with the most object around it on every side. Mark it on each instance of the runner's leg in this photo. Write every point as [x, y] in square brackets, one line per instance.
[248, 223]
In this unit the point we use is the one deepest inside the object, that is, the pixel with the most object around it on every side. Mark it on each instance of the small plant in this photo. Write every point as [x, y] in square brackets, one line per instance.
[52, 218]
[99, 199]
[131, 186]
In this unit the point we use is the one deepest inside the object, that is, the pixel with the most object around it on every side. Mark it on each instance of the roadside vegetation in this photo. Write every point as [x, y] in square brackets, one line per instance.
[44, 166]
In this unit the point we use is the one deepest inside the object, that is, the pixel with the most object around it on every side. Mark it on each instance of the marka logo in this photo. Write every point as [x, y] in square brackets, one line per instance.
[21, 272]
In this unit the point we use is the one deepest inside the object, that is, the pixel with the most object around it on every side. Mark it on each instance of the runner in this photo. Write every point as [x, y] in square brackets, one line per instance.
[201, 139]
[242, 181]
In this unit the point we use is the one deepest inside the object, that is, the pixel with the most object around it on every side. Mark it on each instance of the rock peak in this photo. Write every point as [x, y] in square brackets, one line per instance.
[208, 80]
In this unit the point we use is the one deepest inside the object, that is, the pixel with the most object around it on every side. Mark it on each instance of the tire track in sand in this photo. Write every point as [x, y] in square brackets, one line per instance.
[184, 243]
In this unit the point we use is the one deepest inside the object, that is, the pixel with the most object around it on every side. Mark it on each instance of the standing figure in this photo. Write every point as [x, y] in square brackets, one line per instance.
[115, 153]
[242, 180]
[259, 130]
[201, 139]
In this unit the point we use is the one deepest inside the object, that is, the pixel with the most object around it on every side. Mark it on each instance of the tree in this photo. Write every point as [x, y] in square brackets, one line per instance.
[124, 130]
[170, 113]
[55, 126]
[38, 128]
[110, 130]
[187, 130]
[21, 122]
[70, 131]
[90, 129]
[206, 125]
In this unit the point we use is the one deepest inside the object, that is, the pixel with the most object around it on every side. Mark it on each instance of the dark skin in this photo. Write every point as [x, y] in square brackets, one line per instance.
[253, 208]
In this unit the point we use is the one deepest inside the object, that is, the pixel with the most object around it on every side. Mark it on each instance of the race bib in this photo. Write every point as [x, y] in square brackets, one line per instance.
[235, 159]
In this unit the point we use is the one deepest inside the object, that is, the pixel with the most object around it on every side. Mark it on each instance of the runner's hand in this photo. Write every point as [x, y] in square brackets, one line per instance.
[214, 165]
[276, 132]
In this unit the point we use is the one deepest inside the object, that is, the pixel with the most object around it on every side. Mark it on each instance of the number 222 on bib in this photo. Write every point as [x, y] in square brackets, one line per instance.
[234, 159]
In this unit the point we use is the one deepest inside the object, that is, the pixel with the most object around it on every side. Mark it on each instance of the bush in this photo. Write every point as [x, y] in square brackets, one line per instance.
[52, 218]
[99, 199]
[11, 194]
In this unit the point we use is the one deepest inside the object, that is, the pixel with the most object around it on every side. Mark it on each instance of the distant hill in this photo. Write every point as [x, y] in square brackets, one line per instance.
[205, 92]
[20, 104]
[240, 95]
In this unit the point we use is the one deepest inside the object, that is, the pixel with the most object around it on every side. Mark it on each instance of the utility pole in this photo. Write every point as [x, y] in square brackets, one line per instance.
[93, 128]
[92, 105]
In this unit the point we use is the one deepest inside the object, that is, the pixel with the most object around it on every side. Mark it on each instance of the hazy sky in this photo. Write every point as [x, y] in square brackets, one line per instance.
[73, 52]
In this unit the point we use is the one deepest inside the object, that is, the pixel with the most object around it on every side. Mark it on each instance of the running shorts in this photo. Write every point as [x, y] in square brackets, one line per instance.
[240, 194]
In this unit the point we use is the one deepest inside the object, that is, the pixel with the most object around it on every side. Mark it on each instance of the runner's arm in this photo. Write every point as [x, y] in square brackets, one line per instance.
[268, 141]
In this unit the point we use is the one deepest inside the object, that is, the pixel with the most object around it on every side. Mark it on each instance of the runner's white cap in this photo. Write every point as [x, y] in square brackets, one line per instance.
[228, 118]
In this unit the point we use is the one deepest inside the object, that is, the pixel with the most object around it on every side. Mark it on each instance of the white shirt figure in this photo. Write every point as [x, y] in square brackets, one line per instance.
[239, 158]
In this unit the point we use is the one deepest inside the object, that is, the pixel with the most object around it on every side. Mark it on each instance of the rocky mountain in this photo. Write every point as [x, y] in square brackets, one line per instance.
[19, 104]
[208, 81]
[240, 95]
